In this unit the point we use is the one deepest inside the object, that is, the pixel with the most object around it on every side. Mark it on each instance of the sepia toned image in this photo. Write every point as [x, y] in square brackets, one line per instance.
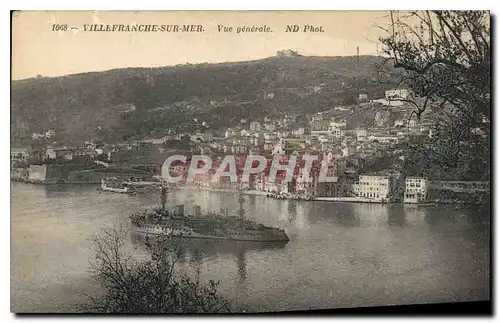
[250, 161]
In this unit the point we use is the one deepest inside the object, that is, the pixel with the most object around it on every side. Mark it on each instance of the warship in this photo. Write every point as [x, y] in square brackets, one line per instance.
[219, 226]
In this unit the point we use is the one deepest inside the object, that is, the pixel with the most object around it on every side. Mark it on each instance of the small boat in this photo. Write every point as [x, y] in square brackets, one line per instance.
[116, 185]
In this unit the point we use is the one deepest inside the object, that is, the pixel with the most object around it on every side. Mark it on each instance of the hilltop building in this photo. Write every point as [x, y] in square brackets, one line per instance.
[287, 53]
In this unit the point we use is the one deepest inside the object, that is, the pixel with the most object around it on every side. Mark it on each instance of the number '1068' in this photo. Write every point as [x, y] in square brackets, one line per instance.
[57, 27]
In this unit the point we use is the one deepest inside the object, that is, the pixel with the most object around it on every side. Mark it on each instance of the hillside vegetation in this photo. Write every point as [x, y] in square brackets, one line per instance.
[131, 103]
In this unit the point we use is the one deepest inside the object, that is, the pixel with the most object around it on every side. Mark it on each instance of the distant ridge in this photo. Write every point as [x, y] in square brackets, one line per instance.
[94, 104]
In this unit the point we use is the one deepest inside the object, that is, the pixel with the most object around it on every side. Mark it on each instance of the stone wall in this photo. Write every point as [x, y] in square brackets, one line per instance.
[92, 177]
[37, 173]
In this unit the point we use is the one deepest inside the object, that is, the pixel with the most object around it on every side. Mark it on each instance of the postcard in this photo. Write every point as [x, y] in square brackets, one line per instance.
[249, 161]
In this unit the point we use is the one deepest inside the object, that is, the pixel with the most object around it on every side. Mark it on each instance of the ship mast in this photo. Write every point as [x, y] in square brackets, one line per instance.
[163, 195]
[241, 200]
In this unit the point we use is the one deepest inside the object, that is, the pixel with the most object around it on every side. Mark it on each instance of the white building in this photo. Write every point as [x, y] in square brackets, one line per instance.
[259, 182]
[377, 188]
[229, 133]
[338, 133]
[207, 136]
[269, 126]
[269, 136]
[38, 136]
[54, 153]
[393, 102]
[399, 122]
[344, 152]
[384, 139]
[279, 148]
[255, 126]
[287, 53]
[396, 94]
[415, 189]
[239, 149]
[298, 132]
[338, 124]
[50, 133]
[283, 134]
[317, 116]
[361, 134]
[20, 154]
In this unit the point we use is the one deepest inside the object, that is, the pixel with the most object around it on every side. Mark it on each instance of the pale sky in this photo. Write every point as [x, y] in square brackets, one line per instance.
[36, 49]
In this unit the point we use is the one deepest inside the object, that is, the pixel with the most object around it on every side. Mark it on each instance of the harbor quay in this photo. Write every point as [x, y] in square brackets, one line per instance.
[373, 188]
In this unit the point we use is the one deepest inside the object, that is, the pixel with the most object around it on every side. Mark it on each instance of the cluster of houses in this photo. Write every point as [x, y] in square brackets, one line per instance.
[333, 131]
[44, 135]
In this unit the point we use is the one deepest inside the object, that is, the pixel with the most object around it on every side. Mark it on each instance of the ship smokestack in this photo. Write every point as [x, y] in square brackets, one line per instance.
[197, 210]
[180, 209]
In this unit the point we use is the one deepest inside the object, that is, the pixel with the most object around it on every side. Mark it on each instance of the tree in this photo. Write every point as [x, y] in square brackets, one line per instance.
[446, 59]
[151, 286]
[446, 56]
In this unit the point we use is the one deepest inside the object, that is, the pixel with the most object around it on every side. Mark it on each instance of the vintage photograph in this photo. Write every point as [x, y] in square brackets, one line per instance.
[249, 161]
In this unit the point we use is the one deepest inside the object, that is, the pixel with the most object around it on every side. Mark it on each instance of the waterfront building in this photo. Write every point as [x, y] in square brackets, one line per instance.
[415, 190]
[334, 189]
[229, 133]
[377, 188]
[306, 183]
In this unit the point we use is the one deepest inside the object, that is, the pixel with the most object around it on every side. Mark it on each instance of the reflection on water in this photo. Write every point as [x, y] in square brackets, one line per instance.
[397, 218]
[339, 254]
[194, 251]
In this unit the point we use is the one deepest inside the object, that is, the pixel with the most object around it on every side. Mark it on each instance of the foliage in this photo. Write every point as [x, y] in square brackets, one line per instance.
[98, 104]
[377, 164]
[446, 57]
[445, 157]
[150, 286]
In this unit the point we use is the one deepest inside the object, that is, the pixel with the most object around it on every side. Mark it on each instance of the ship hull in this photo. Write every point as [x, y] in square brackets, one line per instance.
[234, 236]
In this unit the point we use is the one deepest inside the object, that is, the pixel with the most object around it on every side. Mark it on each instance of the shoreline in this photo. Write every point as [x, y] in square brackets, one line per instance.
[328, 199]
[266, 194]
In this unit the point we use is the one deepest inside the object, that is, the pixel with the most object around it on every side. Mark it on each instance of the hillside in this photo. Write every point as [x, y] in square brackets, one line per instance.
[137, 102]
